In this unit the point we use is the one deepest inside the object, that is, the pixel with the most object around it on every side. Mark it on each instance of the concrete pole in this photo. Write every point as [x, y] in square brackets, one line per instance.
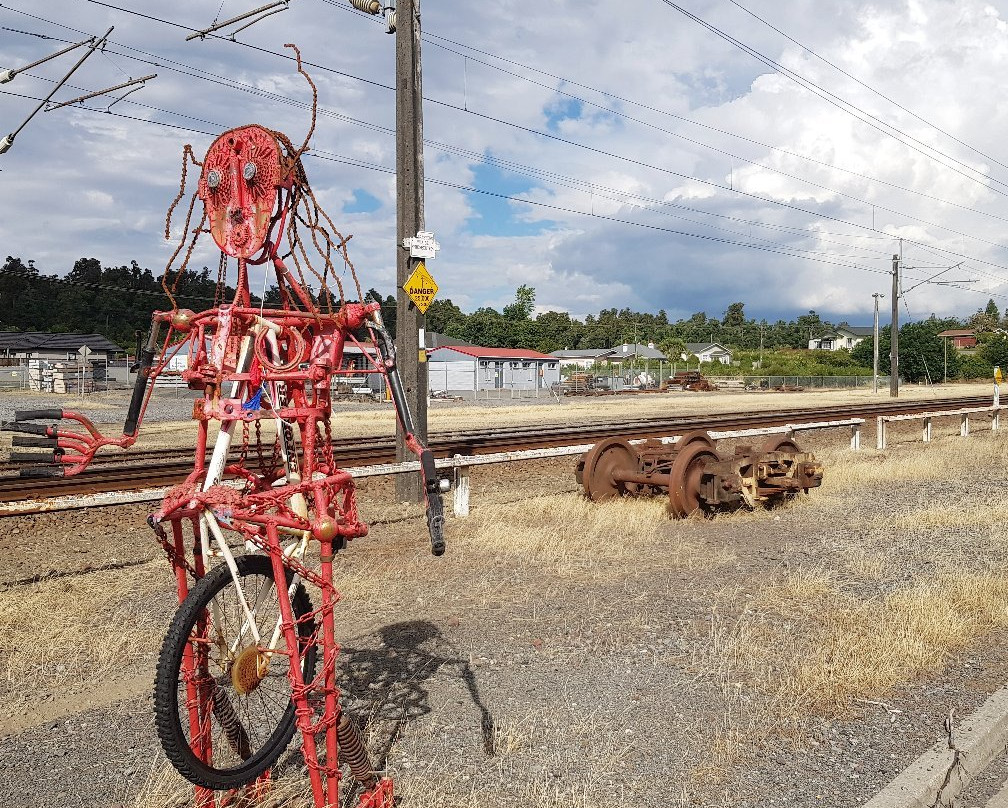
[410, 219]
[894, 337]
[876, 295]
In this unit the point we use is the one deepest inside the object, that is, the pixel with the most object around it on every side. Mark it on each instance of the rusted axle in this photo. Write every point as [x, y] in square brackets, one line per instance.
[695, 476]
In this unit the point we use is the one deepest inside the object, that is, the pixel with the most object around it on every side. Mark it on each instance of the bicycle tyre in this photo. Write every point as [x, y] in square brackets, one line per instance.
[243, 744]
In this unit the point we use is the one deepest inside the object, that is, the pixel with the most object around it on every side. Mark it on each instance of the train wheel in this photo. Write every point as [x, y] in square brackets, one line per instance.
[605, 466]
[686, 473]
[778, 443]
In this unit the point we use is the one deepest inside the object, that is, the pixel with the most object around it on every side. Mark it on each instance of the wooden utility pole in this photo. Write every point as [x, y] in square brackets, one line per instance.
[409, 220]
[894, 337]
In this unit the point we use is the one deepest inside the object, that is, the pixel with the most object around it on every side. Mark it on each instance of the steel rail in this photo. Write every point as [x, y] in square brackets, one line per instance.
[170, 466]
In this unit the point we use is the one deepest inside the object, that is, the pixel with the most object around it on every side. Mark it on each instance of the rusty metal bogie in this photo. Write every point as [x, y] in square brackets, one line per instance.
[695, 476]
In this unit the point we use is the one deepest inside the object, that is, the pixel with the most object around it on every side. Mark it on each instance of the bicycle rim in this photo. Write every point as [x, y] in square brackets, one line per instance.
[224, 713]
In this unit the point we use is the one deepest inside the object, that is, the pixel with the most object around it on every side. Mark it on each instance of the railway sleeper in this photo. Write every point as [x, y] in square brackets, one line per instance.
[695, 476]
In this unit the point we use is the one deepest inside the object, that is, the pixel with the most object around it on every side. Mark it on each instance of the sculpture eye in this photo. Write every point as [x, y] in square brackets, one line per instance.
[249, 171]
[213, 179]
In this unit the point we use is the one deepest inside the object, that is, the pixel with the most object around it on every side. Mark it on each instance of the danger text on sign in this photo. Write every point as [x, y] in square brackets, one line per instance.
[421, 287]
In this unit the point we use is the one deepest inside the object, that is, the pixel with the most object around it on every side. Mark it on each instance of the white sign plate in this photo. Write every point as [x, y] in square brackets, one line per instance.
[422, 245]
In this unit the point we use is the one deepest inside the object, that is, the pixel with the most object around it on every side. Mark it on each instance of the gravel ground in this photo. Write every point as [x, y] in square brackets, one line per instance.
[525, 688]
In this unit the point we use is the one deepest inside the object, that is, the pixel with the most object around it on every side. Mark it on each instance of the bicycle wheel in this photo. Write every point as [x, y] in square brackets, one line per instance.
[214, 687]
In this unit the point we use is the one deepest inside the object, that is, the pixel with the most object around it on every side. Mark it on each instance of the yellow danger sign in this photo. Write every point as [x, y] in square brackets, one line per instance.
[421, 288]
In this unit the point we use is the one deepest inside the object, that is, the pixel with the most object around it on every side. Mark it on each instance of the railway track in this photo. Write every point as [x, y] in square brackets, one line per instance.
[152, 468]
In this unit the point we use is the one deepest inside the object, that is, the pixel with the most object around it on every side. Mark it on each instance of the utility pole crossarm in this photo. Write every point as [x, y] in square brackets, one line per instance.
[106, 91]
[8, 141]
[266, 10]
[8, 75]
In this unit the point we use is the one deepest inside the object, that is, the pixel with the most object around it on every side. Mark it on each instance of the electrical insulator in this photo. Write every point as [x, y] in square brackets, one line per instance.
[367, 6]
[390, 18]
[6, 143]
[6, 75]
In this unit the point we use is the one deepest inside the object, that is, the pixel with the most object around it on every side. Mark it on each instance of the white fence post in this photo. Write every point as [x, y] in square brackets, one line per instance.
[927, 430]
[964, 425]
[996, 419]
[461, 501]
[880, 435]
[855, 437]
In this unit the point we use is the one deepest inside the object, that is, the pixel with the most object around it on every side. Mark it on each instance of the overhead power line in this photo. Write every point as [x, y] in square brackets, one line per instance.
[871, 89]
[809, 255]
[730, 189]
[768, 200]
[830, 189]
[434, 40]
[853, 110]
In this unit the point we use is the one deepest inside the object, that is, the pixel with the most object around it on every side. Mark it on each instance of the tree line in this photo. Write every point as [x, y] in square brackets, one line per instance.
[117, 302]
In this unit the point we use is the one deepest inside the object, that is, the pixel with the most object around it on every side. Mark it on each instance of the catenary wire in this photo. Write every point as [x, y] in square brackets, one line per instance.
[544, 134]
[851, 109]
[720, 186]
[875, 206]
[871, 89]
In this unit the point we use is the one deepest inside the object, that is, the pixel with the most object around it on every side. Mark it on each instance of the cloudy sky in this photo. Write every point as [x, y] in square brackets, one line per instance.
[647, 154]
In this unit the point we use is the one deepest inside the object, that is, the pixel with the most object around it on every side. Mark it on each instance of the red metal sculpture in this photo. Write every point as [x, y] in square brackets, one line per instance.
[238, 671]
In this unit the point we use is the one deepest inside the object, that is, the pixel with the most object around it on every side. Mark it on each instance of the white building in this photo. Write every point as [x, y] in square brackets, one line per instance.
[841, 338]
[709, 352]
[470, 368]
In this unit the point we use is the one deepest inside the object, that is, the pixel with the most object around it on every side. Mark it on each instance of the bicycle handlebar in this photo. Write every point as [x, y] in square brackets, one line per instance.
[143, 376]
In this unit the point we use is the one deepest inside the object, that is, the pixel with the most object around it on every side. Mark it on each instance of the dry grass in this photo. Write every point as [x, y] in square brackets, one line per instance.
[851, 648]
[780, 647]
[911, 460]
[58, 634]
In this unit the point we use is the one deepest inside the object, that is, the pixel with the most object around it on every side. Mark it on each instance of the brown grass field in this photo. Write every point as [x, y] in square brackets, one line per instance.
[741, 631]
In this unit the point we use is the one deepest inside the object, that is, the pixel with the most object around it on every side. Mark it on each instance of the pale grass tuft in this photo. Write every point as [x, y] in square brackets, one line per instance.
[852, 648]
[529, 769]
[912, 460]
[62, 632]
[802, 592]
[569, 533]
[867, 564]
[163, 787]
[977, 515]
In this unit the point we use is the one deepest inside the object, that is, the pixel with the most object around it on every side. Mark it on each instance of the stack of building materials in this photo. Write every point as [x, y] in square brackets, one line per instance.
[39, 375]
[72, 377]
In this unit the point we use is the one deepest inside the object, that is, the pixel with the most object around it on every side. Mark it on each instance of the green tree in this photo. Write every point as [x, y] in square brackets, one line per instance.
[734, 316]
[441, 314]
[974, 366]
[863, 352]
[995, 352]
[921, 353]
[524, 304]
[673, 348]
[987, 319]
[557, 331]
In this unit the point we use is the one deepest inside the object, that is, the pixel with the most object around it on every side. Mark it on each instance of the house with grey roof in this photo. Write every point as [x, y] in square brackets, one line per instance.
[56, 347]
[843, 337]
[581, 357]
[709, 352]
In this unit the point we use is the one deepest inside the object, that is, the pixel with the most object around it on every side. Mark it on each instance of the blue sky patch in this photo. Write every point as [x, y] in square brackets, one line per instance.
[560, 110]
[495, 216]
[363, 202]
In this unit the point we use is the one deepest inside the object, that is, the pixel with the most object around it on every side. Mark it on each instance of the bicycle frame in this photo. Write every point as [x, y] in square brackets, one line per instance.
[255, 364]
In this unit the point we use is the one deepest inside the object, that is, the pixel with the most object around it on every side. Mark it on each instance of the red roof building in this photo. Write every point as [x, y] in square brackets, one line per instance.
[963, 338]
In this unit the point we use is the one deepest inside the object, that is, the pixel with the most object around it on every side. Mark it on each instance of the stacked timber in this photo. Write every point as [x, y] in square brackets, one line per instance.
[72, 377]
